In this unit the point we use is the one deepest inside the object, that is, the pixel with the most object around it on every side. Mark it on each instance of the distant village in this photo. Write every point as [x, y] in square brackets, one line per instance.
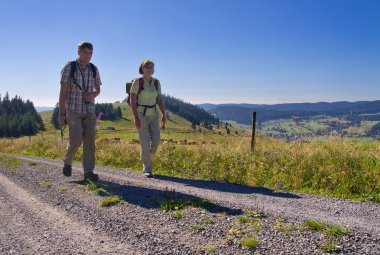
[334, 128]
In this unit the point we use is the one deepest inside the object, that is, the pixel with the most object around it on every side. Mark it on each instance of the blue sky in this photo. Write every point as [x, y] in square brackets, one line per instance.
[205, 50]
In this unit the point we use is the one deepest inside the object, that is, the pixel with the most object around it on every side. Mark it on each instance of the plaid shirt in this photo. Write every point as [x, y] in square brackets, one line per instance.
[74, 96]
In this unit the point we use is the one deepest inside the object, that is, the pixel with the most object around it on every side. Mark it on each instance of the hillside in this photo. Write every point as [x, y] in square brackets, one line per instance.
[319, 106]
[192, 113]
[126, 122]
[176, 127]
[242, 112]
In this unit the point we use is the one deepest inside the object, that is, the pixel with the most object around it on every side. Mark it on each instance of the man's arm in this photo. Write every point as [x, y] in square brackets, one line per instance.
[62, 98]
[65, 83]
[97, 90]
[90, 96]
[98, 82]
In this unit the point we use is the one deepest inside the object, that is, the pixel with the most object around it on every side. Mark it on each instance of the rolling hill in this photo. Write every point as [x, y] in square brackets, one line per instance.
[241, 113]
[196, 115]
[319, 106]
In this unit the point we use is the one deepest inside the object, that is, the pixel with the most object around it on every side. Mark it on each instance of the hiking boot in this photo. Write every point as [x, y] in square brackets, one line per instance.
[91, 177]
[67, 170]
[148, 175]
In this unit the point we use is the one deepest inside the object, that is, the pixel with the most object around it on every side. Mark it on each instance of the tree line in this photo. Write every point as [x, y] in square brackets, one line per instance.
[18, 117]
[109, 113]
[193, 113]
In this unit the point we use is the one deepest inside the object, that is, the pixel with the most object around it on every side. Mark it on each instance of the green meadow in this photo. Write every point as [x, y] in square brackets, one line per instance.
[332, 167]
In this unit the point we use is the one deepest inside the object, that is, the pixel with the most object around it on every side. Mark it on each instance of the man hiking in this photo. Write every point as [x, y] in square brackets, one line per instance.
[80, 84]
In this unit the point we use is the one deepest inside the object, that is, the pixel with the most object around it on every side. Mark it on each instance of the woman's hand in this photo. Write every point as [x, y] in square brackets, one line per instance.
[137, 122]
[163, 120]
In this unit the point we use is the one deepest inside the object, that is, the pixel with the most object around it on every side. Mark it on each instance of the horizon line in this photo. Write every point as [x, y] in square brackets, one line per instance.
[303, 102]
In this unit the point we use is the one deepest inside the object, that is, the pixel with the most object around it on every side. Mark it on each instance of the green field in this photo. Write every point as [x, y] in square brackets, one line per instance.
[318, 129]
[176, 128]
[332, 167]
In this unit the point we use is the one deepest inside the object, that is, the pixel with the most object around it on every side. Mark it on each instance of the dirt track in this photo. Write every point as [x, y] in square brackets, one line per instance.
[64, 218]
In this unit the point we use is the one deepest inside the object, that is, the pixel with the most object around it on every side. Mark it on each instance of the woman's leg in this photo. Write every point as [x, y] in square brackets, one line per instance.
[154, 129]
[144, 137]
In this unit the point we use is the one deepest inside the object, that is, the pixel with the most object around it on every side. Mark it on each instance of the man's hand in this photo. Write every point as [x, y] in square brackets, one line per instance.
[89, 96]
[62, 120]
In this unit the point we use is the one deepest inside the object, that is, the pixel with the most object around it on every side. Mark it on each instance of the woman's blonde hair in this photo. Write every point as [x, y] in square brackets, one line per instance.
[144, 64]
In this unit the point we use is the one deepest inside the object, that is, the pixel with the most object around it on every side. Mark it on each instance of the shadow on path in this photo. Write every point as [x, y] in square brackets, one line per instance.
[227, 187]
[151, 198]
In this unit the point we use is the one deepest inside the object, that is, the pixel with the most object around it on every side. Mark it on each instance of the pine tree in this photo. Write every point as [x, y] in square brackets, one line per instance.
[41, 125]
[55, 116]
[18, 118]
[119, 113]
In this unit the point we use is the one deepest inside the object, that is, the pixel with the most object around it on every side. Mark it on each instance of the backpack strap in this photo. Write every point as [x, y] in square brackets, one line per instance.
[141, 87]
[156, 84]
[73, 68]
[141, 84]
[93, 68]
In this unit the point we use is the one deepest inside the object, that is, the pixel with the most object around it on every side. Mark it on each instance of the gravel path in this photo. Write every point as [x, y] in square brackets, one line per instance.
[43, 212]
[37, 226]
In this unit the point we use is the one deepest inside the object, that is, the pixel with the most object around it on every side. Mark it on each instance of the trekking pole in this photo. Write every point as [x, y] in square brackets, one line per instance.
[98, 118]
[62, 129]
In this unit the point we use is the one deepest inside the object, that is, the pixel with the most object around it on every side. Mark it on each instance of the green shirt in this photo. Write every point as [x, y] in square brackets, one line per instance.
[147, 96]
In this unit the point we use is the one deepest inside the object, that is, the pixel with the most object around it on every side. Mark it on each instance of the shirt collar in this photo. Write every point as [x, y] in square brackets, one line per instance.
[151, 81]
[82, 65]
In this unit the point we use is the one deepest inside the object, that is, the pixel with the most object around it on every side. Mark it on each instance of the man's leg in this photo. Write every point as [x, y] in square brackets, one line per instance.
[74, 121]
[89, 133]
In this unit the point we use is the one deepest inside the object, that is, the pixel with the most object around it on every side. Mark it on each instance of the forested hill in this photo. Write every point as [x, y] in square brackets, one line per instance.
[319, 106]
[193, 113]
[18, 117]
[241, 113]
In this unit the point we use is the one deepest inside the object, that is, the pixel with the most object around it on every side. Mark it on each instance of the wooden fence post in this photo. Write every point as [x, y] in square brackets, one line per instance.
[253, 131]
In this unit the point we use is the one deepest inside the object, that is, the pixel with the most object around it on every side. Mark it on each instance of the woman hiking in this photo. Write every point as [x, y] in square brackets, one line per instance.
[145, 96]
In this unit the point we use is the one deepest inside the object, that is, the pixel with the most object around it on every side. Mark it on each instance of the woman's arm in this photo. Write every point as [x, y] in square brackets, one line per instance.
[162, 109]
[133, 98]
